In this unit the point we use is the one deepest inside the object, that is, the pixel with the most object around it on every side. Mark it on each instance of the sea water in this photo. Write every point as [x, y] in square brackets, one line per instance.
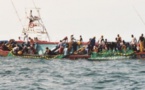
[37, 74]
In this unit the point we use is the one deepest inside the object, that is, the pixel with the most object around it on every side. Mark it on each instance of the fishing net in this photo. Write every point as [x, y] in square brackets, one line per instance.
[112, 53]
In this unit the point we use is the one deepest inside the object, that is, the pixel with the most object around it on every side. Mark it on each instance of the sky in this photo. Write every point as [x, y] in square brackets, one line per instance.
[88, 18]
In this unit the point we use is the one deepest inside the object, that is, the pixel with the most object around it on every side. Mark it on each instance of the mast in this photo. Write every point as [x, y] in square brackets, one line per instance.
[34, 26]
[41, 21]
[17, 13]
[137, 13]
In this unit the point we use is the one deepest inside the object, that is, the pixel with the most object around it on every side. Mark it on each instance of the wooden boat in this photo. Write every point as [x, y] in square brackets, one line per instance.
[48, 57]
[111, 58]
[74, 57]
[92, 57]
[140, 55]
[34, 56]
[3, 53]
[109, 55]
[35, 28]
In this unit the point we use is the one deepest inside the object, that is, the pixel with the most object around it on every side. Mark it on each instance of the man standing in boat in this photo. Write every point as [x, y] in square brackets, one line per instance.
[93, 43]
[141, 43]
[65, 39]
[31, 18]
[25, 38]
[133, 42]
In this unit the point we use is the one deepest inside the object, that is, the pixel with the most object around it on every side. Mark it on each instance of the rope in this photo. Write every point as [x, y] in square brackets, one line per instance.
[17, 13]
[137, 13]
[41, 21]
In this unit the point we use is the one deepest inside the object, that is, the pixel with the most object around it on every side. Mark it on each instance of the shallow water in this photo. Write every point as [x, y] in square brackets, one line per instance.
[36, 74]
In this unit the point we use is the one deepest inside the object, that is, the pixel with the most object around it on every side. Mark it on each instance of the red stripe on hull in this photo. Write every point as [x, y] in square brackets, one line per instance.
[3, 53]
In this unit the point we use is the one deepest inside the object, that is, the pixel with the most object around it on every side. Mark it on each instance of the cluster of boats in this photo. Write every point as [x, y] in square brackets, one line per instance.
[36, 29]
[103, 55]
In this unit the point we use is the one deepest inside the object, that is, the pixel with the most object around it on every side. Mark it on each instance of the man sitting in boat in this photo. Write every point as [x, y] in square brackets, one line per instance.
[10, 43]
[81, 51]
[4, 47]
[47, 51]
[15, 49]
[24, 49]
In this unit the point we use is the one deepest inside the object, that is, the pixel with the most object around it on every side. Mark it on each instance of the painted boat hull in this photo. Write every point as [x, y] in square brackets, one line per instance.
[140, 55]
[43, 44]
[34, 56]
[3, 53]
[111, 58]
[74, 57]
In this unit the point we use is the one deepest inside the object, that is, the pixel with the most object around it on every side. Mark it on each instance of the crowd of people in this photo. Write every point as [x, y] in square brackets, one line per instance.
[68, 46]
[27, 47]
[76, 46]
